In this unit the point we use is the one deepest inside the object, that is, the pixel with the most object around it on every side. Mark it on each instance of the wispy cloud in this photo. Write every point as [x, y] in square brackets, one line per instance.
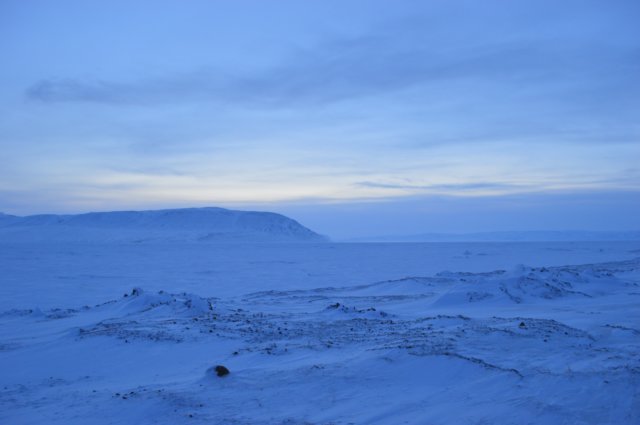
[374, 64]
[451, 188]
[169, 90]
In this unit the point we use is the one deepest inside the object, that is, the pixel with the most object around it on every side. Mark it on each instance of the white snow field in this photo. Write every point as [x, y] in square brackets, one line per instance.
[319, 333]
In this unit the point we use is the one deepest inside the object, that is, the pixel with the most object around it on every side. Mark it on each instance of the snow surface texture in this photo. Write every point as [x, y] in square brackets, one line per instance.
[190, 224]
[527, 236]
[556, 344]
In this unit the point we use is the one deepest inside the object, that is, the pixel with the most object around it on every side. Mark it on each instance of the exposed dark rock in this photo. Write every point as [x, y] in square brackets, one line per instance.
[221, 370]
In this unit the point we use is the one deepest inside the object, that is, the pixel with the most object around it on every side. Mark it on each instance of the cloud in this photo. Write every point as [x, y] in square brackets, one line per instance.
[400, 56]
[189, 88]
[153, 171]
[451, 188]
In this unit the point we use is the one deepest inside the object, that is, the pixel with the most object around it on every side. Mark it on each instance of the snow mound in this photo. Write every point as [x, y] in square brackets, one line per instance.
[370, 312]
[499, 288]
[529, 284]
[178, 305]
[190, 224]
[404, 286]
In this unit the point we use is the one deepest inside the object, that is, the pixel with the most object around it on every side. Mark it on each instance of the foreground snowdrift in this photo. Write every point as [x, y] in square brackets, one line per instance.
[530, 345]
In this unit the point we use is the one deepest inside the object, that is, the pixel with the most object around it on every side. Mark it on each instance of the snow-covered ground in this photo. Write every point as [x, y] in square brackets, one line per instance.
[320, 333]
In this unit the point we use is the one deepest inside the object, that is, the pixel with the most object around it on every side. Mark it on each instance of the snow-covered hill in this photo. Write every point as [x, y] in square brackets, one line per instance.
[190, 224]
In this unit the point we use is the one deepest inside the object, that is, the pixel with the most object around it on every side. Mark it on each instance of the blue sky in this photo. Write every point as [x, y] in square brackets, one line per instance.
[356, 117]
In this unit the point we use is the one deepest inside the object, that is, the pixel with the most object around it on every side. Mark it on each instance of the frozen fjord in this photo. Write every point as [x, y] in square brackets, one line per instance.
[320, 333]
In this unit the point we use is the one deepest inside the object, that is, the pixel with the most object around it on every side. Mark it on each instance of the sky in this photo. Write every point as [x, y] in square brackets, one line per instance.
[355, 117]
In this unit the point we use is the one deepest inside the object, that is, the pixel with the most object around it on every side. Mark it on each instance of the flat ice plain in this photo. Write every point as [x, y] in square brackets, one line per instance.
[320, 333]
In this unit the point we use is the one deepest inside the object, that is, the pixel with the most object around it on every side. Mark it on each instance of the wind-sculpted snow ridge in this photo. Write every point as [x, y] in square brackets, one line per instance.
[521, 285]
[531, 345]
[189, 224]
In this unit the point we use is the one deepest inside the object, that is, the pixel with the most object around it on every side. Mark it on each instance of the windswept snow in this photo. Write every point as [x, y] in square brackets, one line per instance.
[505, 236]
[537, 344]
[190, 224]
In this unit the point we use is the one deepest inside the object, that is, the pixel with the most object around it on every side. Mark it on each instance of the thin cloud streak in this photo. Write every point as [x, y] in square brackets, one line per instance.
[452, 188]
[373, 65]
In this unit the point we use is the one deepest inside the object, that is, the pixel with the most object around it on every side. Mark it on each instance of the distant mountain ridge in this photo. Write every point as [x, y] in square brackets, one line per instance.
[509, 236]
[196, 224]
